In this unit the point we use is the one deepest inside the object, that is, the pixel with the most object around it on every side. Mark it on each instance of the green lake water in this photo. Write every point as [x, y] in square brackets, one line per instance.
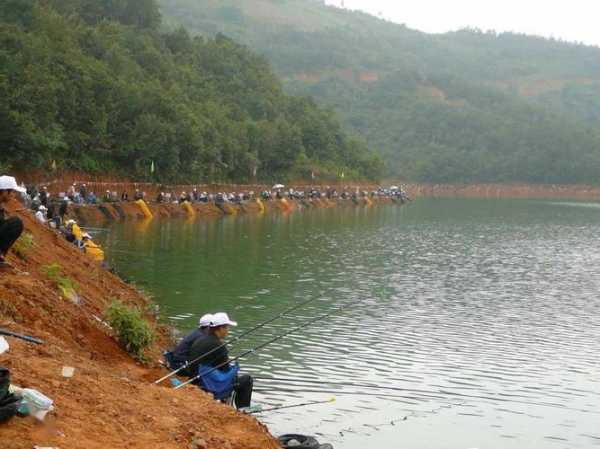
[481, 317]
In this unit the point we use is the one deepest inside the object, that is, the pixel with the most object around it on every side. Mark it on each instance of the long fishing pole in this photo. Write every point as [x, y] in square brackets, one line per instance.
[305, 404]
[342, 384]
[27, 338]
[255, 328]
[267, 343]
[370, 394]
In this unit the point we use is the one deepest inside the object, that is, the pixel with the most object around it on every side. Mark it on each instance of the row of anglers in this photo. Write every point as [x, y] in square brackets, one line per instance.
[280, 192]
[81, 194]
[11, 228]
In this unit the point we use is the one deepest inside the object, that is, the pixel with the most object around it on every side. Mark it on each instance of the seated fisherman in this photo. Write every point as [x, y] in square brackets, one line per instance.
[181, 354]
[11, 228]
[212, 353]
[73, 233]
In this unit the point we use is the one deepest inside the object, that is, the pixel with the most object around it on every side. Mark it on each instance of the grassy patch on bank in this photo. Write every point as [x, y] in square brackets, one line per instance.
[133, 332]
[22, 246]
[67, 286]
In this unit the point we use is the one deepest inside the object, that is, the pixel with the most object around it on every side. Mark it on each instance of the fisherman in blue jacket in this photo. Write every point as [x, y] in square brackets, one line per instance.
[217, 375]
[181, 354]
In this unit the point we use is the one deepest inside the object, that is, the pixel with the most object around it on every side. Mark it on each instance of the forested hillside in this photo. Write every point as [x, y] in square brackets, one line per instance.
[98, 85]
[466, 106]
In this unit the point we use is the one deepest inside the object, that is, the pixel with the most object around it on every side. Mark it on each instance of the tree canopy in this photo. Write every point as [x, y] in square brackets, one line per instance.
[467, 106]
[101, 85]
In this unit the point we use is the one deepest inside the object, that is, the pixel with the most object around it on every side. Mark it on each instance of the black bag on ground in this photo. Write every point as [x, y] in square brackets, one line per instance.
[8, 402]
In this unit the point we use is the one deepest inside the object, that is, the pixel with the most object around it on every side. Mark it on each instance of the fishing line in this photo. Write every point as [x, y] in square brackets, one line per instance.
[282, 407]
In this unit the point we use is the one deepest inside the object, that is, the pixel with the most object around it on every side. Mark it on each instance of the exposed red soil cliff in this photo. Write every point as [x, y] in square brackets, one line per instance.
[110, 402]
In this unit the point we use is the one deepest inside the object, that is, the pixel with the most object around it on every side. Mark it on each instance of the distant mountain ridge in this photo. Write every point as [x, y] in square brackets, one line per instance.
[465, 106]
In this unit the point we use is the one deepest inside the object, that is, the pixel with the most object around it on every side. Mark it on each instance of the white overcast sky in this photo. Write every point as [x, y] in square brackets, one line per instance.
[572, 20]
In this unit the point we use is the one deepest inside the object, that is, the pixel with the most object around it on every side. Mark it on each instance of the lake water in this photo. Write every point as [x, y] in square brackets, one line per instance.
[479, 320]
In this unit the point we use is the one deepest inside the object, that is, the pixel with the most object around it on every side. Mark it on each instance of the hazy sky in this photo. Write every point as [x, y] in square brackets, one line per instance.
[572, 20]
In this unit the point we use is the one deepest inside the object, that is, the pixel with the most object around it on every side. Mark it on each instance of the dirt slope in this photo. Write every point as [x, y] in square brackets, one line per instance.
[110, 402]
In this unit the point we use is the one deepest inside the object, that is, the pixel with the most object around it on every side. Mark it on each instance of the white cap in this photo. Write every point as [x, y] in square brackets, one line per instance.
[222, 319]
[205, 320]
[42, 207]
[10, 183]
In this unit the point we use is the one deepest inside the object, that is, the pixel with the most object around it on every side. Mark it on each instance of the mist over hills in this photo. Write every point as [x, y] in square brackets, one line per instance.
[465, 106]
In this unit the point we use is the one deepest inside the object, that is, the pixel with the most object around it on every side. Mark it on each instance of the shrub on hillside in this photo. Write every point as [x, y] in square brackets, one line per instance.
[134, 333]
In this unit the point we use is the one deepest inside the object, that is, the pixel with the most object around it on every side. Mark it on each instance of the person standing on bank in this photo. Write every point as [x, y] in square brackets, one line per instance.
[11, 228]
[210, 353]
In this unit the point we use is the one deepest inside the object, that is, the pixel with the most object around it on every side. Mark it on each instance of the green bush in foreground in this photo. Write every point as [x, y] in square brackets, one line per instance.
[134, 333]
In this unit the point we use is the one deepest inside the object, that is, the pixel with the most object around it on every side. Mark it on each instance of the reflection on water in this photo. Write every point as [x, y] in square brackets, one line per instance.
[479, 324]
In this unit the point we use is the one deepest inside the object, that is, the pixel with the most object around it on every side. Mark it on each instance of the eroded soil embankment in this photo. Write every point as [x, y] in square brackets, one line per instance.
[110, 402]
[553, 191]
[129, 210]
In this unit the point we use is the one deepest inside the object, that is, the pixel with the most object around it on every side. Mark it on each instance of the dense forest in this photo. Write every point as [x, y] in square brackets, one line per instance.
[104, 86]
[466, 106]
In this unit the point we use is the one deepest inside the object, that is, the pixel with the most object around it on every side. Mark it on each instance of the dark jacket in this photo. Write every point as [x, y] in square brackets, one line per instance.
[203, 346]
[181, 353]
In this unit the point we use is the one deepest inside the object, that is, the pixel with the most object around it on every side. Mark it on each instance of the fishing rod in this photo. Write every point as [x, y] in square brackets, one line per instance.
[267, 343]
[409, 396]
[88, 228]
[342, 384]
[441, 395]
[305, 404]
[27, 338]
[255, 328]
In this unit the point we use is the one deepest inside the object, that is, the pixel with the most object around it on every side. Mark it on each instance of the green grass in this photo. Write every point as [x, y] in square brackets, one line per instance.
[67, 286]
[22, 246]
[134, 333]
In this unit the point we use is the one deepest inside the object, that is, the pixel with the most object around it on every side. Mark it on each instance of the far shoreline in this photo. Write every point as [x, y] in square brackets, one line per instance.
[520, 190]
[506, 191]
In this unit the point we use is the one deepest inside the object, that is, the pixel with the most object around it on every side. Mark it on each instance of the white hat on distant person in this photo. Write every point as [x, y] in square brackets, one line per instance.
[10, 183]
[205, 320]
[222, 319]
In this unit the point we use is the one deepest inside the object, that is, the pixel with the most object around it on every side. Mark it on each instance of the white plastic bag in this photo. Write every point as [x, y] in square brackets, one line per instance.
[3, 345]
[36, 404]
